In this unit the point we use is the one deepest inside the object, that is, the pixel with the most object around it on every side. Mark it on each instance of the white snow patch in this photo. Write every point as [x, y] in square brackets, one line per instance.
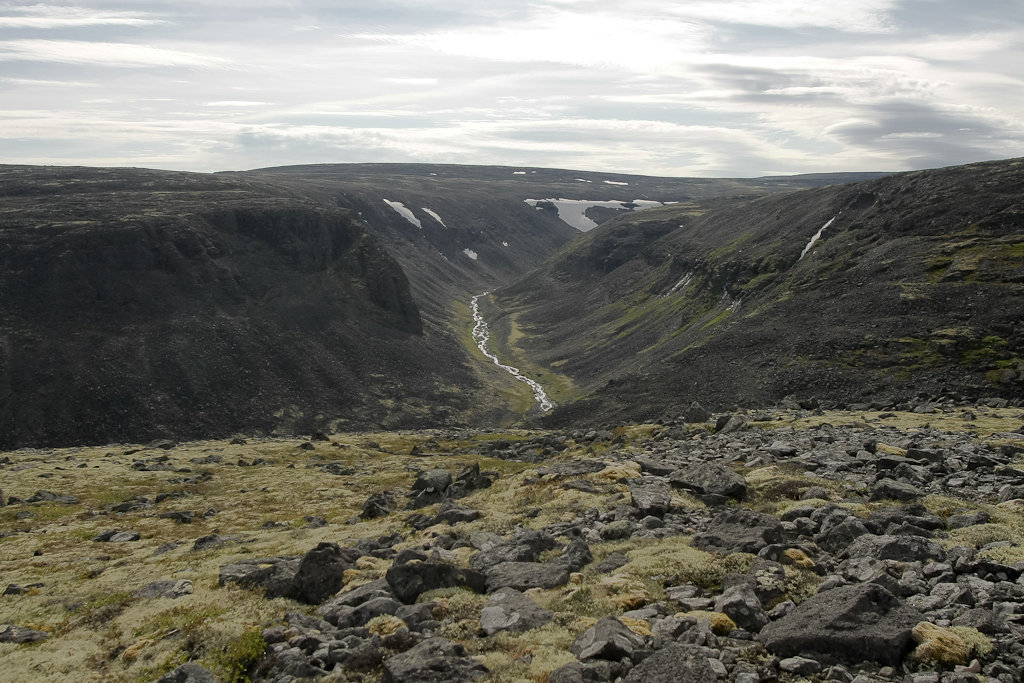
[404, 212]
[482, 337]
[584, 180]
[816, 237]
[504, 244]
[613, 182]
[573, 211]
[683, 283]
[433, 214]
[518, 172]
[470, 253]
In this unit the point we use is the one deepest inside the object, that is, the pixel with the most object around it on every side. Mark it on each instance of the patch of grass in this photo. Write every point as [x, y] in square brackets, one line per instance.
[232, 662]
[982, 534]
[96, 612]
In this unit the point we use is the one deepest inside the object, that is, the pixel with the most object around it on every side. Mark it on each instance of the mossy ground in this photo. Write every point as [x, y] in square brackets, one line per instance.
[82, 591]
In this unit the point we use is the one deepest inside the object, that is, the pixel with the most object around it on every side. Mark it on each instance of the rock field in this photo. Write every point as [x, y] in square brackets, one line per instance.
[777, 545]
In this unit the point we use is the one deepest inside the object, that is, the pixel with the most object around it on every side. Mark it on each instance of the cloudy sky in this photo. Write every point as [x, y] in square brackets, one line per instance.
[662, 87]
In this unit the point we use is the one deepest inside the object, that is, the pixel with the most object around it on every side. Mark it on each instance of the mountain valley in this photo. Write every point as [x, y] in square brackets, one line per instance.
[267, 426]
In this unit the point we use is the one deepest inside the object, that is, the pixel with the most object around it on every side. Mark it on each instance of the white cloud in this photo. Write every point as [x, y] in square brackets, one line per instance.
[104, 54]
[56, 16]
[864, 16]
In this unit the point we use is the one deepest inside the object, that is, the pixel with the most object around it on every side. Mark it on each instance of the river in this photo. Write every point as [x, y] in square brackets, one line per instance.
[482, 337]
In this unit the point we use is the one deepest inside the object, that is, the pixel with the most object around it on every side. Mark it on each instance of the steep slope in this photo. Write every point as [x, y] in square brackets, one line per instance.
[459, 230]
[915, 286]
[141, 304]
[144, 304]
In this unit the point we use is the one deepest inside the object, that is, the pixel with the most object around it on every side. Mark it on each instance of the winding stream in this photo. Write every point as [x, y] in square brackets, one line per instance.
[482, 337]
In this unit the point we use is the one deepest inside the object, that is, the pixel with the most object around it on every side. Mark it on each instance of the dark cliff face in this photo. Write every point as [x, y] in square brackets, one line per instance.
[914, 287]
[133, 313]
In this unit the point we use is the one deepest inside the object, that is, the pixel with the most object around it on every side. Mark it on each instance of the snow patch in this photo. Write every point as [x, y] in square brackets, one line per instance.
[817, 236]
[584, 180]
[404, 212]
[504, 244]
[613, 182]
[573, 211]
[470, 253]
[518, 172]
[683, 283]
[434, 215]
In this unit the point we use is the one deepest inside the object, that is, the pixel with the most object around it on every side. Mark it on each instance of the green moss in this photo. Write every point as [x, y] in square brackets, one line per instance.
[717, 319]
[233, 661]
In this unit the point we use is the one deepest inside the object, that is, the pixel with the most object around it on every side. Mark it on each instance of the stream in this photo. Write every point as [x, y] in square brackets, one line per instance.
[482, 337]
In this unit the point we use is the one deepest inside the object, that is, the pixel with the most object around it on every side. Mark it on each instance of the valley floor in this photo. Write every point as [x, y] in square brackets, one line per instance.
[774, 545]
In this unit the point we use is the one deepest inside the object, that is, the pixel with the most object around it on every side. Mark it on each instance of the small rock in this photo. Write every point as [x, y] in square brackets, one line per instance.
[800, 666]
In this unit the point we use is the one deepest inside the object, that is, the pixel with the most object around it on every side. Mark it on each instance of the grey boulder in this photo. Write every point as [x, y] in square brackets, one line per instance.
[511, 610]
[851, 624]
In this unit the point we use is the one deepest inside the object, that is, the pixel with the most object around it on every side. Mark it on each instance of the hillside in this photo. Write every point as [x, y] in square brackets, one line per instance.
[914, 287]
[142, 304]
[148, 304]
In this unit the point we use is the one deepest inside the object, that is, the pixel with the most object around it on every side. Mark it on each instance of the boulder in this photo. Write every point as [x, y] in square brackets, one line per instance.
[594, 671]
[848, 624]
[575, 556]
[730, 423]
[650, 498]
[320, 573]
[429, 488]
[607, 639]
[901, 548]
[377, 505]
[11, 633]
[525, 575]
[189, 672]
[273, 574]
[526, 546]
[467, 481]
[895, 490]
[408, 580]
[435, 660]
[740, 530]
[511, 610]
[710, 482]
[741, 604]
[673, 664]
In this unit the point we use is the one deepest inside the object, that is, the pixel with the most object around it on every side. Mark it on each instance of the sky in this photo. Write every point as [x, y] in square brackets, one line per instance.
[734, 88]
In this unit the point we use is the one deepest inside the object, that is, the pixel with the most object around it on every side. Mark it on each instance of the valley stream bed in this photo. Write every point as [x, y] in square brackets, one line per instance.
[482, 337]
